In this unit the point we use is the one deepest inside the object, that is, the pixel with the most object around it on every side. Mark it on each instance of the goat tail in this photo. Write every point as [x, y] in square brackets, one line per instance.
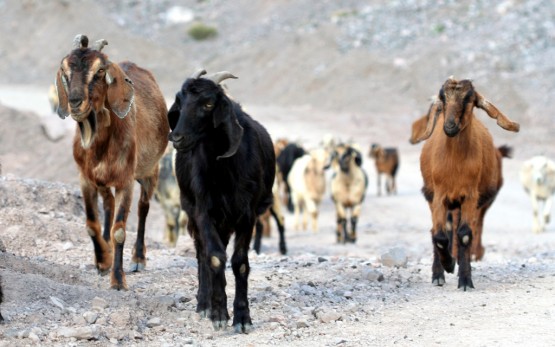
[506, 151]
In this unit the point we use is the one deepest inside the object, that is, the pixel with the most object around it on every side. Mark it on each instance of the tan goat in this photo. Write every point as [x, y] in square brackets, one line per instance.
[348, 188]
[462, 174]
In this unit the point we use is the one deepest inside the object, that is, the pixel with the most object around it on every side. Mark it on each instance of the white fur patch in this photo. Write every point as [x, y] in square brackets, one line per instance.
[215, 261]
[119, 235]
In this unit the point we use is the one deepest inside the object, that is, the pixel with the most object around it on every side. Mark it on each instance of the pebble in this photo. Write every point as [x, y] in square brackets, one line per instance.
[90, 317]
[153, 322]
[80, 333]
[99, 304]
[395, 257]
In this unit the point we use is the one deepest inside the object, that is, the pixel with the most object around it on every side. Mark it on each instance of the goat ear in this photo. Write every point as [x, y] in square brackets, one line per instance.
[173, 113]
[418, 129]
[358, 157]
[62, 92]
[431, 117]
[494, 113]
[121, 94]
[223, 116]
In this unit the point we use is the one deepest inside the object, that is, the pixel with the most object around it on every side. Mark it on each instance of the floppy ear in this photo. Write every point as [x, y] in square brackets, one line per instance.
[120, 91]
[494, 113]
[223, 116]
[358, 157]
[435, 109]
[173, 113]
[61, 91]
[418, 129]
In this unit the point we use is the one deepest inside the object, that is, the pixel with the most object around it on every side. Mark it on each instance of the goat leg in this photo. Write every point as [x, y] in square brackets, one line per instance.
[138, 258]
[102, 252]
[442, 258]
[464, 238]
[124, 196]
[204, 305]
[242, 322]
[281, 229]
[353, 234]
[258, 236]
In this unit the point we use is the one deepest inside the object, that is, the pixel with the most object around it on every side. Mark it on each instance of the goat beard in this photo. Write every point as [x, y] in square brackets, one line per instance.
[88, 130]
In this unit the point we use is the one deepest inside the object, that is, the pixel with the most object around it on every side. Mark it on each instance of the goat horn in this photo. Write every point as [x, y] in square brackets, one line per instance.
[80, 41]
[218, 77]
[198, 73]
[99, 44]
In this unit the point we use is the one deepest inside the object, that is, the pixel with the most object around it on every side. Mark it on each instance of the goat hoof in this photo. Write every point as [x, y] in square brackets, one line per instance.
[119, 286]
[219, 325]
[243, 328]
[438, 280]
[204, 314]
[465, 282]
[283, 249]
[450, 268]
[102, 272]
[137, 267]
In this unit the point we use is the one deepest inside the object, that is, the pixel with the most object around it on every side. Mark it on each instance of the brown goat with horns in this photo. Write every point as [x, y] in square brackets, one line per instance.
[462, 175]
[122, 131]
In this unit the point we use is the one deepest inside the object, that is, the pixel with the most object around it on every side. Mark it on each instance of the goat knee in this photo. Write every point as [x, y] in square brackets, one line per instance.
[464, 236]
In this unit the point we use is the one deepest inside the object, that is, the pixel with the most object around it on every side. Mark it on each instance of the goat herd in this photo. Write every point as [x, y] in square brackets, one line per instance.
[225, 175]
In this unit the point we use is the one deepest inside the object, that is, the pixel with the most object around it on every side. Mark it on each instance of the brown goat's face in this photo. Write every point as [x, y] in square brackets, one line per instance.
[458, 99]
[82, 74]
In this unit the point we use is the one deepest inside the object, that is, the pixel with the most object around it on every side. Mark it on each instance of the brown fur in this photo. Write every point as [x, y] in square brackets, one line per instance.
[122, 147]
[387, 163]
[462, 175]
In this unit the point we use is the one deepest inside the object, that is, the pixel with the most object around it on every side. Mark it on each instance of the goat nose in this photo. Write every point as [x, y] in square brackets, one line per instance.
[173, 137]
[75, 102]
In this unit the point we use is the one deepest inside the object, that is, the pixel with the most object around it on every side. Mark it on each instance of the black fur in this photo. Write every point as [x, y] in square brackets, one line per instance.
[285, 161]
[225, 168]
[1, 299]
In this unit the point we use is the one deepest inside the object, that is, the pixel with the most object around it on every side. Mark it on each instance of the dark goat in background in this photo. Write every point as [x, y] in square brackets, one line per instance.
[387, 163]
[121, 134]
[225, 168]
[285, 161]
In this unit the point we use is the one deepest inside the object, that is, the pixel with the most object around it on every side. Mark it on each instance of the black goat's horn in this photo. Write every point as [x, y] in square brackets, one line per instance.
[80, 41]
[198, 73]
[218, 77]
[99, 44]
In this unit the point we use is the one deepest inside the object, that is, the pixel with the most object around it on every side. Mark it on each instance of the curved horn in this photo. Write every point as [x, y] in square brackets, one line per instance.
[218, 77]
[198, 73]
[99, 44]
[80, 41]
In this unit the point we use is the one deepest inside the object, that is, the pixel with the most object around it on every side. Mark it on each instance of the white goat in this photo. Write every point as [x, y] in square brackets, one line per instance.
[538, 178]
[307, 182]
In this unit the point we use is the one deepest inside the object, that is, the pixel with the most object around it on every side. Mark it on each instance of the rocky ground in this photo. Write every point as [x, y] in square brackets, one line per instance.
[357, 71]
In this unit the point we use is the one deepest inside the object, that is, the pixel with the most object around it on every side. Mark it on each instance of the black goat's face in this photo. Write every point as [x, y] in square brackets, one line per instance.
[201, 108]
[458, 99]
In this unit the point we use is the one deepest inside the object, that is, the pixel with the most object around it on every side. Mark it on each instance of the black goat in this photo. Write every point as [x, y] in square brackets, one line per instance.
[285, 161]
[225, 168]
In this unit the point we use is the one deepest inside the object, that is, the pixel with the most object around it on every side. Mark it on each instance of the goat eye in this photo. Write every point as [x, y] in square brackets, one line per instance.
[208, 106]
[100, 71]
